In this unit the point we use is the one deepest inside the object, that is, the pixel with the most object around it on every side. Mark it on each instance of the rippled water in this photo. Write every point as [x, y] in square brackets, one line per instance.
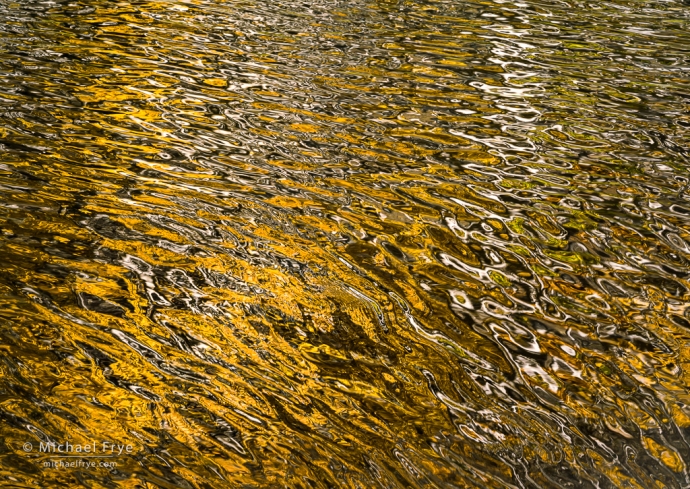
[357, 244]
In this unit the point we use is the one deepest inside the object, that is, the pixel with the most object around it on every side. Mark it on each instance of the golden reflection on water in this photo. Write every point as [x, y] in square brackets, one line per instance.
[346, 244]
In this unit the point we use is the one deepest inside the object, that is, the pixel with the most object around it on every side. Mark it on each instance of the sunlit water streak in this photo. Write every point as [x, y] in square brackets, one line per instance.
[346, 244]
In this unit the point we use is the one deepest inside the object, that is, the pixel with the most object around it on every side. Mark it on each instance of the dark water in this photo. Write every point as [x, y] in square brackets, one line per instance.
[355, 244]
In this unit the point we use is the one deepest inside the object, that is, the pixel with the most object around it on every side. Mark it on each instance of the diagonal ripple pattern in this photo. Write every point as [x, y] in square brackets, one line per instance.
[357, 244]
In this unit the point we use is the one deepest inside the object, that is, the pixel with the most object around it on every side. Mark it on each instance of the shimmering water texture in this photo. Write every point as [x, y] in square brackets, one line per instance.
[346, 244]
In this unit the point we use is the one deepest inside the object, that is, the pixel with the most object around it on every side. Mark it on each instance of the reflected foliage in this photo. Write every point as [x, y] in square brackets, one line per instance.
[354, 244]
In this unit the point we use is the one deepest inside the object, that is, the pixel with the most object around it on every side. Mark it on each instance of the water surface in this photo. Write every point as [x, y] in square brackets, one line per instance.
[355, 244]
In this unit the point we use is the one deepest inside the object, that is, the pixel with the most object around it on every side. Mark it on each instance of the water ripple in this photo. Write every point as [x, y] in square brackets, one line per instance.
[346, 244]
